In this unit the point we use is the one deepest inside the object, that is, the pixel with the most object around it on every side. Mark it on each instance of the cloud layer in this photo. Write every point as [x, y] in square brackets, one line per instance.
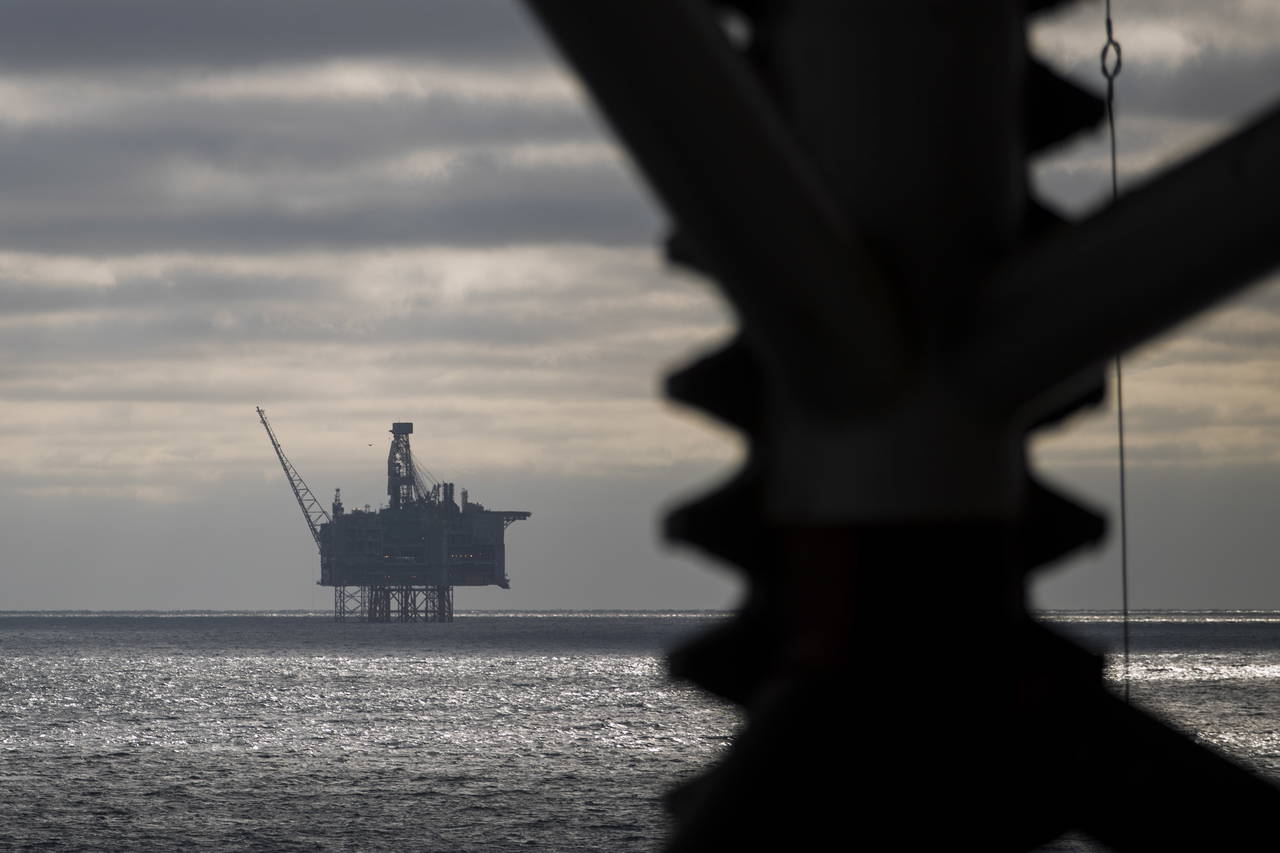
[103, 35]
[353, 213]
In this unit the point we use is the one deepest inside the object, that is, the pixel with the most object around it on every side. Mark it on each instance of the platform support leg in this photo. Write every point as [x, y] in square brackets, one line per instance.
[349, 603]
[402, 603]
[378, 604]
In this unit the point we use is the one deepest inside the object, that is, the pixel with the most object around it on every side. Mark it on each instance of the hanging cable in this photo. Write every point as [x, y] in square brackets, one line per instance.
[1111, 63]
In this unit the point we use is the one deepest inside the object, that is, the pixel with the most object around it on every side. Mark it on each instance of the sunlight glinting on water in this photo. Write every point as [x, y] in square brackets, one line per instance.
[216, 732]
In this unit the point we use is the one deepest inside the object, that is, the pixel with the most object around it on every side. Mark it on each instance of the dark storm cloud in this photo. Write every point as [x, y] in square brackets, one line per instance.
[503, 323]
[149, 319]
[196, 289]
[297, 172]
[98, 34]
[338, 133]
[605, 219]
[485, 200]
[267, 134]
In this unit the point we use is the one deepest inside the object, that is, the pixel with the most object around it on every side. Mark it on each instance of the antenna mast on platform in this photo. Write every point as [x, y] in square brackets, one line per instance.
[403, 485]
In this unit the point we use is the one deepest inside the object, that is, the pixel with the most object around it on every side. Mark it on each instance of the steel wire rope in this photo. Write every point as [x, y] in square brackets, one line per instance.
[1111, 70]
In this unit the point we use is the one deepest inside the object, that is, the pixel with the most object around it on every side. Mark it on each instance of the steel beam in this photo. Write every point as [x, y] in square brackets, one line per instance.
[715, 150]
[1189, 238]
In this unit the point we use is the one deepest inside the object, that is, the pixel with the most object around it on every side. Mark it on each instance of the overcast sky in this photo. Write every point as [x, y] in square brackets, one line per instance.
[404, 210]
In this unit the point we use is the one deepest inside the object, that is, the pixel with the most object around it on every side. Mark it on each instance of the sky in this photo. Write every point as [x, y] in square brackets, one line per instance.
[405, 210]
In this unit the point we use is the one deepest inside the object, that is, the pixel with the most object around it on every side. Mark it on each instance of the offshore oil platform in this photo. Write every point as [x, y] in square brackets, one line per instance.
[400, 562]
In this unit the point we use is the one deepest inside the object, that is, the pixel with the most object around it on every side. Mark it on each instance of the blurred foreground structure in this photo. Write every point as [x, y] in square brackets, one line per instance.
[854, 177]
[400, 562]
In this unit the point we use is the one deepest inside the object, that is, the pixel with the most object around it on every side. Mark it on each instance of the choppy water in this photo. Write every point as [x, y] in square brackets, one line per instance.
[498, 732]
[1215, 675]
[278, 733]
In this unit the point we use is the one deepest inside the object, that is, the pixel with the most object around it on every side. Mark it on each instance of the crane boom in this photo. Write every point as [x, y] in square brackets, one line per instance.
[312, 511]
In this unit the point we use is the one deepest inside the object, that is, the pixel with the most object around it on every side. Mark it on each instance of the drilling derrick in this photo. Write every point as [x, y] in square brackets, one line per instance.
[403, 487]
[401, 562]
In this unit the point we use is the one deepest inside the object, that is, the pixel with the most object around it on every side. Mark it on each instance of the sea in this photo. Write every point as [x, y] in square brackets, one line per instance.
[499, 731]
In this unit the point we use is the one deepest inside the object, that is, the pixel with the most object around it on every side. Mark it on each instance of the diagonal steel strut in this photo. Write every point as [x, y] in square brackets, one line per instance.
[1187, 239]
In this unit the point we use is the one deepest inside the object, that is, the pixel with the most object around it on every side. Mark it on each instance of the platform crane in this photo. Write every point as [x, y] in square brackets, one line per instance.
[312, 511]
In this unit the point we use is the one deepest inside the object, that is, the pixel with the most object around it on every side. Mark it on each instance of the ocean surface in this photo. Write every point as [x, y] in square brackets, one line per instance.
[501, 731]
